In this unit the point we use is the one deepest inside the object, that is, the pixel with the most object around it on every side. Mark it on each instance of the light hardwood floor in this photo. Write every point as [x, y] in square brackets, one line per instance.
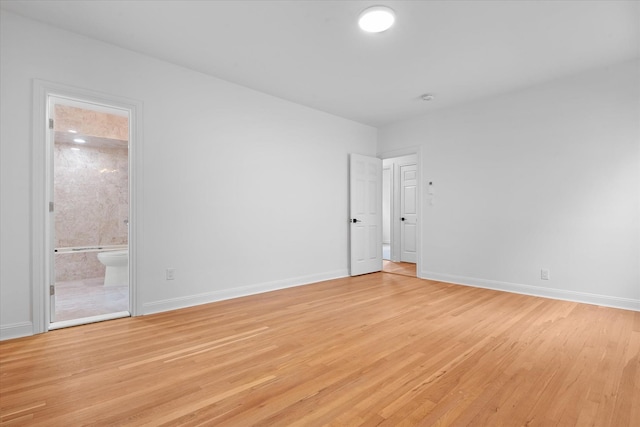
[404, 268]
[380, 349]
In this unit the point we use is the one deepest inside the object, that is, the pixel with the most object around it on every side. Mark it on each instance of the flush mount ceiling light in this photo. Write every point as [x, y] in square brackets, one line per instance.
[376, 19]
[427, 97]
[79, 140]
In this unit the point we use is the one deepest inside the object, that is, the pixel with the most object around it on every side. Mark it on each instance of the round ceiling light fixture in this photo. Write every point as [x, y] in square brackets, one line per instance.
[427, 97]
[376, 19]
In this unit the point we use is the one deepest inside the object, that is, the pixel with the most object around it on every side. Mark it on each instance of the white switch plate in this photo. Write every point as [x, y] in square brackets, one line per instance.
[171, 273]
[544, 274]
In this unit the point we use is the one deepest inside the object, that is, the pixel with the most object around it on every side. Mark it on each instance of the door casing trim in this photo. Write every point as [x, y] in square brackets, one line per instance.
[40, 168]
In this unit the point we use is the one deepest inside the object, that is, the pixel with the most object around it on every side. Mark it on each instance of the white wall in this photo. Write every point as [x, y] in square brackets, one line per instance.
[547, 177]
[243, 192]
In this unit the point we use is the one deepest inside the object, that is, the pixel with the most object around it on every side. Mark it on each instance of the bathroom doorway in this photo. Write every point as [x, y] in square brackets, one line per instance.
[89, 189]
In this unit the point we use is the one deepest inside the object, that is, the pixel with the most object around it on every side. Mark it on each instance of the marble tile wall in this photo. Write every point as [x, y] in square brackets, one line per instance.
[92, 123]
[78, 266]
[91, 196]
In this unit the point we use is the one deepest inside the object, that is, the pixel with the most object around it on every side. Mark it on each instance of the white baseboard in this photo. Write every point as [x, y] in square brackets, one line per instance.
[560, 294]
[16, 330]
[209, 297]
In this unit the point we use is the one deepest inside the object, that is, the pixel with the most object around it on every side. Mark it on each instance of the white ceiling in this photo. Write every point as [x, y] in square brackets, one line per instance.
[312, 53]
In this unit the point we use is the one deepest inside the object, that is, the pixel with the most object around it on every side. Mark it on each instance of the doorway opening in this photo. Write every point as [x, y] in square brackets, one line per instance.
[88, 186]
[400, 214]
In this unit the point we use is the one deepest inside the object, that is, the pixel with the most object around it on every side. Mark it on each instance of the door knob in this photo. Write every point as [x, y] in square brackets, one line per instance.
[355, 220]
[402, 219]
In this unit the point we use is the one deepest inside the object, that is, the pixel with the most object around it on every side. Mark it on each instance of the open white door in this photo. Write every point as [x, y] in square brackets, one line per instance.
[408, 213]
[365, 193]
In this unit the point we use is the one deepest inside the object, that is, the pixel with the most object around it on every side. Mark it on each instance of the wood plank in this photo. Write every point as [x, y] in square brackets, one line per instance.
[379, 349]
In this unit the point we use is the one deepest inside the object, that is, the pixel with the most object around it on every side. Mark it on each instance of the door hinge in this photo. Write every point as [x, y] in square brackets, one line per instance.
[50, 206]
[52, 290]
[50, 123]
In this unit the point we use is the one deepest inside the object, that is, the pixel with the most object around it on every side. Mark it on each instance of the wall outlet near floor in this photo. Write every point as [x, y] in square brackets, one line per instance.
[171, 273]
[544, 274]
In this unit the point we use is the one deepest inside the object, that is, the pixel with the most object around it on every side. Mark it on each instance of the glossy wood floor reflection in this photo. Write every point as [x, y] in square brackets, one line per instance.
[380, 349]
[404, 268]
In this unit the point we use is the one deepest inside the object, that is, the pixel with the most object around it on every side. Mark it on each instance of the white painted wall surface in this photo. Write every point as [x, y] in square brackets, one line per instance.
[547, 177]
[243, 192]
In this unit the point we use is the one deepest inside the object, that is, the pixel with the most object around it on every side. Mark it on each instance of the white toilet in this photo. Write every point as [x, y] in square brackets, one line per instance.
[117, 271]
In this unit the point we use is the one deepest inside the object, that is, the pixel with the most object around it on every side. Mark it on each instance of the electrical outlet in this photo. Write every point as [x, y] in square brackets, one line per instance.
[171, 273]
[544, 274]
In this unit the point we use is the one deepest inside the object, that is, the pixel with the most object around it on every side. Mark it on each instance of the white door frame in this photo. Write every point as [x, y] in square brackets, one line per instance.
[417, 150]
[390, 201]
[392, 212]
[40, 194]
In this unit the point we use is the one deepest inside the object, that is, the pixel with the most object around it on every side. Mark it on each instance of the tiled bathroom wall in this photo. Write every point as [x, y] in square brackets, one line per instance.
[91, 206]
[91, 195]
[92, 123]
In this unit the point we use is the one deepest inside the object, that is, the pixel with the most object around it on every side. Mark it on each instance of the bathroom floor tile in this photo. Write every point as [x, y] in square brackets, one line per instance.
[89, 297]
